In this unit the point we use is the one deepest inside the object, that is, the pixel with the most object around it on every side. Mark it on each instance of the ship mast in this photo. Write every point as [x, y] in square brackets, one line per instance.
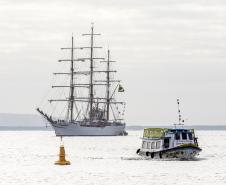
[91, 84]
[91, 77]
[71, 99]
[108, 85]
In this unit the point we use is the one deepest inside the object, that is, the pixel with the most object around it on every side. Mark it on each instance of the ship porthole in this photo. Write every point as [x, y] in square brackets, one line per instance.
[138, 151]
[147, 153]
[152, 155]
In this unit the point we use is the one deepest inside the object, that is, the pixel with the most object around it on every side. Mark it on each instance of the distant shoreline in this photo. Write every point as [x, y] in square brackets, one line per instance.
[42, 128]
[196, 127]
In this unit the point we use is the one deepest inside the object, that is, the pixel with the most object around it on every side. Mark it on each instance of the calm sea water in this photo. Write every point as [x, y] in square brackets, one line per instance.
[27, 157]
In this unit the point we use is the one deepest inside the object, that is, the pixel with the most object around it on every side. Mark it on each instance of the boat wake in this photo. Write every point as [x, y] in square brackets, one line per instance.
[168, 159]
[94, 158]
[134, 158]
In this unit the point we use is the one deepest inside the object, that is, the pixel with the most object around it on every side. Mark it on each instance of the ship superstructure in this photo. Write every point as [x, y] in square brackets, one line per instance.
[175, 142]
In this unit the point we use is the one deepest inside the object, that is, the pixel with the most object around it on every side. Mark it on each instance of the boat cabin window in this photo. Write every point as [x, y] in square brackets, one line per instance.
[184, 135]
[177, 136]
[190, 136]
[144, 144]
[149, 145]
[153, 145]
[166, 142]
[158, 144]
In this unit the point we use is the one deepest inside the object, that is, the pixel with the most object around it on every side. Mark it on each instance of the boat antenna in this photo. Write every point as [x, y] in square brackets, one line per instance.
[180, 121]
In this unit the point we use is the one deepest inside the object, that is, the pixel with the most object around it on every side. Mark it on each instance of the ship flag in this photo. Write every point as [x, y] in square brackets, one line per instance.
[120, 88]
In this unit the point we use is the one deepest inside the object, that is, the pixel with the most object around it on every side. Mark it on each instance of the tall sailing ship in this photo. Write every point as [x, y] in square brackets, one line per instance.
[91, 106]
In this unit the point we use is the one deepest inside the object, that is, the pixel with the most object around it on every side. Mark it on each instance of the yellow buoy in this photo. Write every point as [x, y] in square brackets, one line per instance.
[62, 160]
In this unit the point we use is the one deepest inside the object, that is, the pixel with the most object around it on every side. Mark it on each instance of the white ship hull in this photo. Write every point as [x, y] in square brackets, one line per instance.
[77, 130]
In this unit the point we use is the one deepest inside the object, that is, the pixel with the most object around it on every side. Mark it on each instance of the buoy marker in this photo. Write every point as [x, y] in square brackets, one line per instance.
[62, 160]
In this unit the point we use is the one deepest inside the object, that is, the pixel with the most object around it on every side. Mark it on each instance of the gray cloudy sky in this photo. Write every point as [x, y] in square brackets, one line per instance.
[165, 49]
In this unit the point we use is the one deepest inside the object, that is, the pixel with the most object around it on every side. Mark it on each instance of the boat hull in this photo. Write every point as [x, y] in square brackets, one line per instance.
[77, 130]
[181, 152]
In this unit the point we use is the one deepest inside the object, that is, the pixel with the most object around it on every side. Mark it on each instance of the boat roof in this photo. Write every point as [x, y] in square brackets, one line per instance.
[160, 132]
[154, 132]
